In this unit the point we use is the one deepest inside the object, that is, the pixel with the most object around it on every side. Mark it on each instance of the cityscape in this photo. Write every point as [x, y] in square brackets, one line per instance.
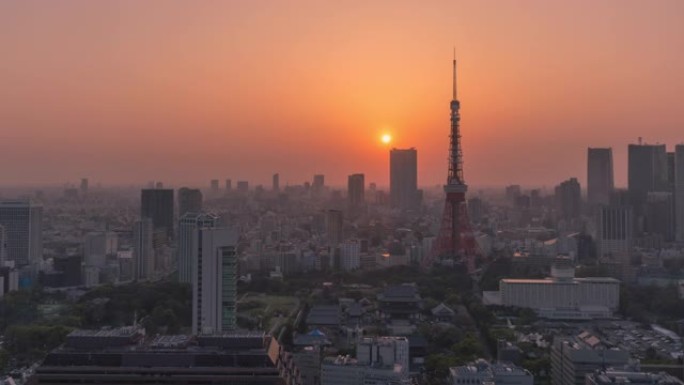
[382, 277]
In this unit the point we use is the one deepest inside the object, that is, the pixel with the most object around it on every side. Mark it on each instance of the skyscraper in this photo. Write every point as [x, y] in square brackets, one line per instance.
[276, 182]
[569, 199]
[214, 185]
[3, 246]
[647, 172]
[318, 184]
[157, 204]
[188, 241]
[143, 249]
[614, 230]
[22, 221]
[84, 185]
[214, 293]
[356, 190]
[404, 178]
[599, 175]
[333, 227]
[679, 191]
[189, 201]
[229, 185]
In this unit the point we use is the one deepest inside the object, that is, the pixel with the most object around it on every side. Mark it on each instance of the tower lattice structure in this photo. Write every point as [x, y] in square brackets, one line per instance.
[455, 239]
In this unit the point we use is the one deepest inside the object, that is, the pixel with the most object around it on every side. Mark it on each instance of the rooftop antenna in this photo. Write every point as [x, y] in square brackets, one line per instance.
[454, 91]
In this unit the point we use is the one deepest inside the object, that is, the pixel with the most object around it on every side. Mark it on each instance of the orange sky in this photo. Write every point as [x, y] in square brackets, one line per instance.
[180, 91]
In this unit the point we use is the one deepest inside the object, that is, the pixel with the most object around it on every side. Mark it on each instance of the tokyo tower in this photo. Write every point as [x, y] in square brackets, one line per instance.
[455, 239]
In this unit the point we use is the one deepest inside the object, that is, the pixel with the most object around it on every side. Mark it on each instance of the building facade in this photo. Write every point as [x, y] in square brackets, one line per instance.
[356, 190]
[157, 204]
[679, 191]
[600, 181]
[404, 178]
[214, 293]
[143, 249]
[189, 201]
[22, 221]
[188, 241]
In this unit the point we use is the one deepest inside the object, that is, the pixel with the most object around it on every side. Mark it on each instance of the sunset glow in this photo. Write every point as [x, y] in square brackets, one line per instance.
[185, 91]
[386, 138]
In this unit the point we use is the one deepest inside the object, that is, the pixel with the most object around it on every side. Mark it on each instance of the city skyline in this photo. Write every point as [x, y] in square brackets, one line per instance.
[242, 91]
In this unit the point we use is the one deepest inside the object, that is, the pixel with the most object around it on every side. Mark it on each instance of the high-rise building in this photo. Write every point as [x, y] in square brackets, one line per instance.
[189, 201]
[23, 225]
[356, 190]
[3, 246]
[157, 204]
[659, 215]
[614, 230]
[276, 182]
[214, 293]
[647, 172]
[350, 255]
[318, 184]
[189, 241]
[333, 227]
[84, 185]
[229, 185]
[599, 175]
[242, 186]
[214, 185]
[679, 191]
[569, 199]
[404, 178]
[97, 246]
[143, 249]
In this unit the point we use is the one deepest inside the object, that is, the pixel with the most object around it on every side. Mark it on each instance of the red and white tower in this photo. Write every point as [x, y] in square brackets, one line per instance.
[455, 239]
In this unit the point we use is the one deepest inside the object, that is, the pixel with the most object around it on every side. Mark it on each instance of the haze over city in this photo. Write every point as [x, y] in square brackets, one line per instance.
[129, 91]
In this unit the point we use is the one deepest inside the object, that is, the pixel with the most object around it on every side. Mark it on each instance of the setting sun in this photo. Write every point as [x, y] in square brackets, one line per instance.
[386, 138]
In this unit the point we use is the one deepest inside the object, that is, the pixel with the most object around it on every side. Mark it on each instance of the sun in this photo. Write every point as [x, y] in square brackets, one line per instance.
[386, 138]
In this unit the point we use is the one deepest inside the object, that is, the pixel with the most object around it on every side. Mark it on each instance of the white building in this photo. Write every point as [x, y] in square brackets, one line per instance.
[350, 255]
[188, 241]
[22, 221]
[482, 372]
[562, 296]
[214, 284]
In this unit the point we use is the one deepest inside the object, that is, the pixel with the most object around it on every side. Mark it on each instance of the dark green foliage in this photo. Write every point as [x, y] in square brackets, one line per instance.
[160, 306]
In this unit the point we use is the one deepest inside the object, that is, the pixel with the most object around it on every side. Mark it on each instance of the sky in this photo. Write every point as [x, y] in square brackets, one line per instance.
[186, 91]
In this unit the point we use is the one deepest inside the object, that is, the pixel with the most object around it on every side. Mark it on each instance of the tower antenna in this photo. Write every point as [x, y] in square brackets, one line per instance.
[455, 95]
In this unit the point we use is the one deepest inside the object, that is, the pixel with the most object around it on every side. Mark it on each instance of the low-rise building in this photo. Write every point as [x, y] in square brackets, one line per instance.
[482, 372]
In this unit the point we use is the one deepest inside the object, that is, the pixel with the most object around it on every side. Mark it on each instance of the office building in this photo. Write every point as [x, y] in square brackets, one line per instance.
[647, 172]
[97, 246]
[157, 204]
[189, 201]
[356, 190]
[600, 181]
[569, 199]
[84, 185]
[214, 284]
[350, 255]
[562, 296]
[214, 185]
[334, 227]
[276, 182]
[23, 225]
[188, 241]
[229, 185]
[404, 178]
[3, 246]
[318, 184]
[242, 186]
[143, 249]
[482, 372]
[126, 356]
[679, 191]
[659, 215]
[572, 358]
[614, 230]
